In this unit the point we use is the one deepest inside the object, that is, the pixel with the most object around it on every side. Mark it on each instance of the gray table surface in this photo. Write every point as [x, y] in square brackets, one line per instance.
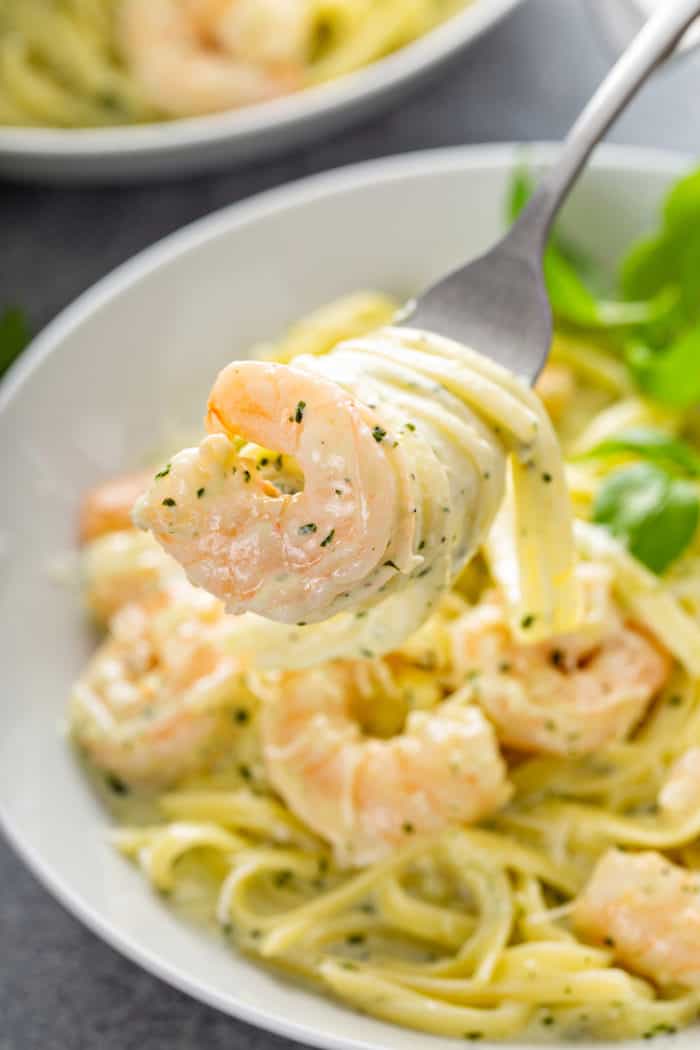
[60, 987]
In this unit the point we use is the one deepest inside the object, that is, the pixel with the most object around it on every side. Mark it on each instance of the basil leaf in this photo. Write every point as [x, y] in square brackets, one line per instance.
[571, 299]
[519, 192]
[14, 336]
[654, 514]
[652, 445]
[670, 257]
[671, 376]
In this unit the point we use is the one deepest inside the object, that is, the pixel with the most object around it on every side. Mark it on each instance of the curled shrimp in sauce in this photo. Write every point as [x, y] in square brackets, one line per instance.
[193, 57]
[150, 706]
[647, 911]
[571, 694]
[365, 795]
[292, 557]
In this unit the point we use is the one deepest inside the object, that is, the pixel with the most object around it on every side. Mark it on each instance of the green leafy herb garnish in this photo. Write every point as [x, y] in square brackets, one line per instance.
[653, 513]
[328, 539]
[378, 433]
[653, 445]
[169, 502]
[670, 375]
[163, 473]
[305, 529]
[299, 414]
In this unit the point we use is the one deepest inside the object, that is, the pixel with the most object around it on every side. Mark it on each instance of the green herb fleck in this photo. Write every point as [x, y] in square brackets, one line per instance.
[163, 473]
[246, 476]
[200, 493]
[527, 621]
[329, 538]
[169, 502]
[378, 433]
[407, 827]
[241, 715]
[299, 413]
[306, 529]
[116, 785]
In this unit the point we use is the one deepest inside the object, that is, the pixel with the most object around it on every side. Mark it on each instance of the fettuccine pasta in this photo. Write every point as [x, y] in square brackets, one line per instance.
[92, 63]
[473, 932]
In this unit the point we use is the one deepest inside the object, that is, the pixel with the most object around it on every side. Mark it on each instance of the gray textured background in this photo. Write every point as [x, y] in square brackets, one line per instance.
[61, 988]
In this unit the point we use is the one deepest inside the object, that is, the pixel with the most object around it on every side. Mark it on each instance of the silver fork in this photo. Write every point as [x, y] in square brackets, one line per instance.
[498, 303]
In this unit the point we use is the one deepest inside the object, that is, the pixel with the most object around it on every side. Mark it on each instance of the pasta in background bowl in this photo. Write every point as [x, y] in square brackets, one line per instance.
[119, 88]
[128, 324]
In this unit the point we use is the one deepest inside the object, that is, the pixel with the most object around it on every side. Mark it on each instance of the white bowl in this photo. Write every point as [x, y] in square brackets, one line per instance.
[134, 357]
[199, 144]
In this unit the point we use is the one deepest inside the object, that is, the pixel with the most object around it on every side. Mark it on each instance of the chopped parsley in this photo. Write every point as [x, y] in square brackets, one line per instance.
[116, 785]
[163, 473]
[246, 476]
[200, 493]
[527, 621]
[378, 433]
[169, 502]
[329, 538]
[355, 938]
[546, 478]
[304, 530]
[299, 413]
[407, 827]
[241, 715]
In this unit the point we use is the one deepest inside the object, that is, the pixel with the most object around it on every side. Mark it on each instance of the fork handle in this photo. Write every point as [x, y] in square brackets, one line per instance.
[659, 36]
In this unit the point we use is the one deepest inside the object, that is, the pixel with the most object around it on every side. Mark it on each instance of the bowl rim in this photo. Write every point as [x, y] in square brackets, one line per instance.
[276, 115]
[224, 222]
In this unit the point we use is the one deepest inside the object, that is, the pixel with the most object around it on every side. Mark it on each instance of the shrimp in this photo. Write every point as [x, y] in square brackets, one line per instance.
[152, 704]
[192, 57]
[367, 796]
[680, 795]
[571, 694]
[107, 507]
[647, 910]
[292, 557]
